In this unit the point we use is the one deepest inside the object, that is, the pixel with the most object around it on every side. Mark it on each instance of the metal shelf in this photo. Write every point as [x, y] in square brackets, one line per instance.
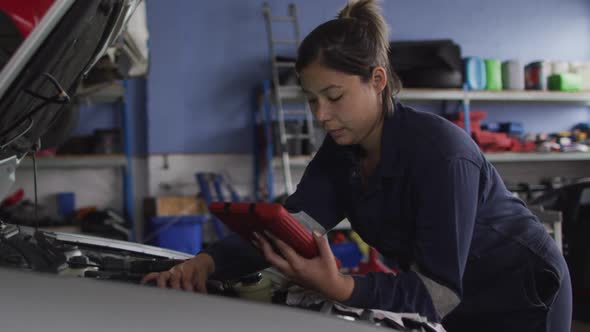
[508, 95]
[500, 157]
[88, 161]
[105, 93]
[511, 157]
[293, 92]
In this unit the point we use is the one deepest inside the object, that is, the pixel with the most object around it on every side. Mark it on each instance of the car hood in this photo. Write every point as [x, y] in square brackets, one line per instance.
[38, 302]
[49, 64]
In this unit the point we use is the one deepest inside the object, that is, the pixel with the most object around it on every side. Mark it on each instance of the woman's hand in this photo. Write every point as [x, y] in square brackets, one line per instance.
[191, 275]
[319, 273]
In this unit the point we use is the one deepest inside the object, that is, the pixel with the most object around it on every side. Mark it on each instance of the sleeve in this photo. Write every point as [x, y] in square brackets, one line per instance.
[234, 257]
[447, 200]
[319, 193]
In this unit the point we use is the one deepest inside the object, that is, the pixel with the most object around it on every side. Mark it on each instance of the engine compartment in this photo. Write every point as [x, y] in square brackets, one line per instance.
[40, 251]
[27, 249]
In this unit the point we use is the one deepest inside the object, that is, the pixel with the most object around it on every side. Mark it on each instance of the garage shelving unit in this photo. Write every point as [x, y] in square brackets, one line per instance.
[465, 97]
[407, 94]
[506, 157]
[116, 94]
[87, 161]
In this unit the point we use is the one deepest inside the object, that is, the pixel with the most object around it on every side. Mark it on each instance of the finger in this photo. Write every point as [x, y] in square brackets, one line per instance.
[175, 277]
[280, 244]
[150, 277]
[271, 256]
[163, 279]
[271, 236]
[187, 280]
[201, 283]
[292, 257]
[323, 246]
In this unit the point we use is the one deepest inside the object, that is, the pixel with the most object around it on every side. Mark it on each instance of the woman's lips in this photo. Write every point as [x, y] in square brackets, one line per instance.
[336, 132]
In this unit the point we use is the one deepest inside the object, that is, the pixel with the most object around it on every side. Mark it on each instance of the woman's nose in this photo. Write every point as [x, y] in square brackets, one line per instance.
[322, 113]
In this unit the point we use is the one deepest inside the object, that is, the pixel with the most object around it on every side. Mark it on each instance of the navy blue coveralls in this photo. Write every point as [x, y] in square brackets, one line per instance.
[473, 256]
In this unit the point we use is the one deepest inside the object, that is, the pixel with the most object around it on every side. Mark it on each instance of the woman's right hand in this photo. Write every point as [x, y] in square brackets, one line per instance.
[191, 275]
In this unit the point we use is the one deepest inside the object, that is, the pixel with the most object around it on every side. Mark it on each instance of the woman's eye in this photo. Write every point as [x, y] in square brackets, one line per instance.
[334, 99]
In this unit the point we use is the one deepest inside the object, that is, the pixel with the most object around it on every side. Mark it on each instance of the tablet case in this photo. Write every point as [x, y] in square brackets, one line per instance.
[246, 218]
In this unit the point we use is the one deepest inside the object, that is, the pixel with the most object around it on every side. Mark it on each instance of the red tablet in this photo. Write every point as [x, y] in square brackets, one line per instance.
[246, 218]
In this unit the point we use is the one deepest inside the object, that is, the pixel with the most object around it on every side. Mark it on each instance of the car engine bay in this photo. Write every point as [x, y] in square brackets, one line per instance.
[71, 255]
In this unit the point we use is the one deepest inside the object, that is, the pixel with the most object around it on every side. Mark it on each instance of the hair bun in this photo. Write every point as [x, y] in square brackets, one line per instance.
[363, 10]
[369, 13]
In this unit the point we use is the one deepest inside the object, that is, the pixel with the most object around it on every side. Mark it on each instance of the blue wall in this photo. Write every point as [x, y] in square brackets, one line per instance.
[109, 115]
[207, 58]
[97, 116]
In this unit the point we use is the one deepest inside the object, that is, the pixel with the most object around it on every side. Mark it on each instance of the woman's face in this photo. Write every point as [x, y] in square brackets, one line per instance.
[348, 108]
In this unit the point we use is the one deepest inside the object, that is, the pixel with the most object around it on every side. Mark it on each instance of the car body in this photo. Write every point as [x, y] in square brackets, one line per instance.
[50, 282]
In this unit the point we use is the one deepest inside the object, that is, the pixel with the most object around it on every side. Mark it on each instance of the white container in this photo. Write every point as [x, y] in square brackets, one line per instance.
[560, 67]
[583, 69]
[259, 291]
[512, 75]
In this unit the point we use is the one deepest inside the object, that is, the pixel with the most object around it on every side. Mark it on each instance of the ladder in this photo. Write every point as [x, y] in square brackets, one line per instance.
[284, 94]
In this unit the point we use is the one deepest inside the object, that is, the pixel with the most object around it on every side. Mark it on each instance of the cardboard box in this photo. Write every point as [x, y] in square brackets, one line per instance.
[174, 206]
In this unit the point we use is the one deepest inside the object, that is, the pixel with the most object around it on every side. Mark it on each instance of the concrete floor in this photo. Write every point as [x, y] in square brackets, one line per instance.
[580, 327]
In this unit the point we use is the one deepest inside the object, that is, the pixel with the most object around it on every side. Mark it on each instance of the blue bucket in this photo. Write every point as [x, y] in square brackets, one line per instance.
[180, 233]
[66, 203]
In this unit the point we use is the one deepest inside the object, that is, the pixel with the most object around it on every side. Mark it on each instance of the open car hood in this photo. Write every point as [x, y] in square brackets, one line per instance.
[49, 63]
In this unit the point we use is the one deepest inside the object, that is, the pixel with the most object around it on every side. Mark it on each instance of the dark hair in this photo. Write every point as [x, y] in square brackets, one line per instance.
[356, 42]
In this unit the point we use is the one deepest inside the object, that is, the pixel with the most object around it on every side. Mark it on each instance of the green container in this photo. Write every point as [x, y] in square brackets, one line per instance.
[565, 82]
[493, 74]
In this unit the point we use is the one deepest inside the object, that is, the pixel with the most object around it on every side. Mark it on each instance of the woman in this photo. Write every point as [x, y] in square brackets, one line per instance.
[415, 187]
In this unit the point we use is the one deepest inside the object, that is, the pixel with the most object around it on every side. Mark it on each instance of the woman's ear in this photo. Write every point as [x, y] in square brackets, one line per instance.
[379, 79]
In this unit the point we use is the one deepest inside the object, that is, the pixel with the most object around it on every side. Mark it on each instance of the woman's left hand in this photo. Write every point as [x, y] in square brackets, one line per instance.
[319, 273]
